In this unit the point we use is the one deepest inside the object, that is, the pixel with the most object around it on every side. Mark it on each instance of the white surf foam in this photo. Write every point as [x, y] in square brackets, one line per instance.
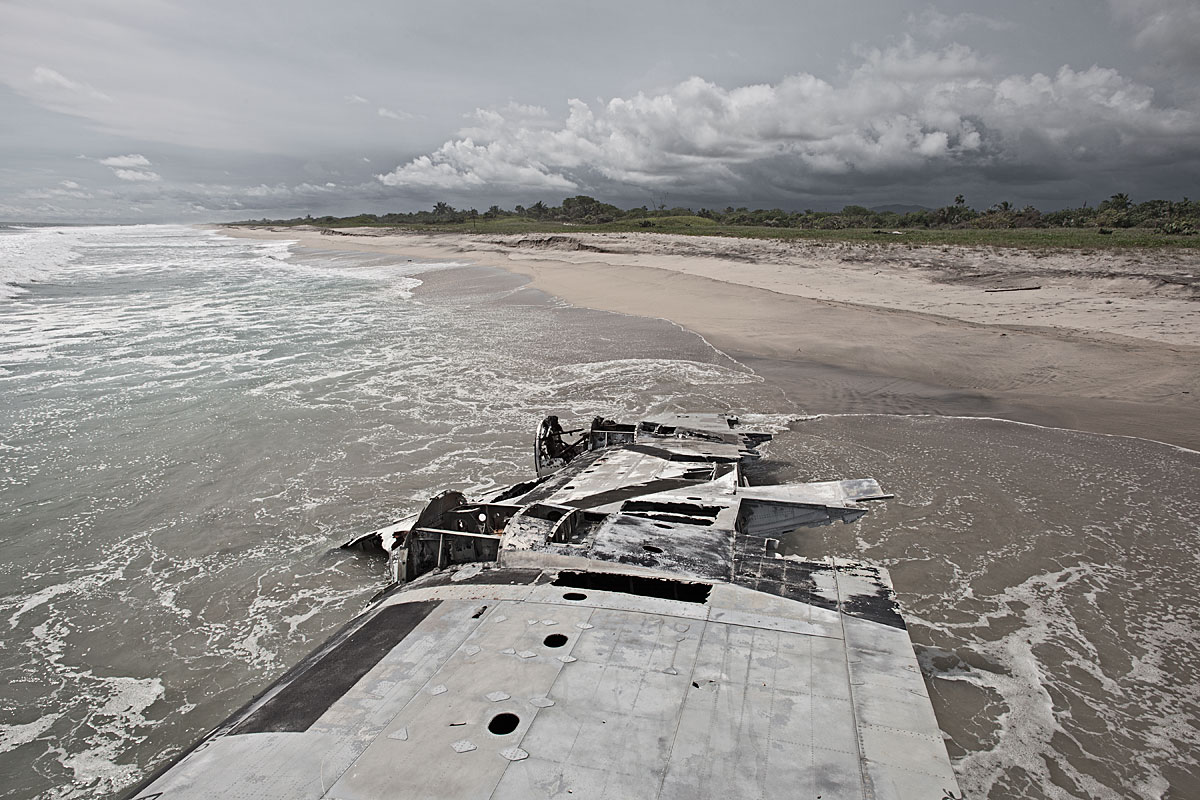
[34, 255]
[1180, 448]
[13, 736]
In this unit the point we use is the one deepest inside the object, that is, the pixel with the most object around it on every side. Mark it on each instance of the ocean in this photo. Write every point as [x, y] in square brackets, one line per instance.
[190, 425]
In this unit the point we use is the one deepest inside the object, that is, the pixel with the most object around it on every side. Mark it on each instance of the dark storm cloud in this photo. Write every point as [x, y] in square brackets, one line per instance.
[1168, 30]
[902, 112]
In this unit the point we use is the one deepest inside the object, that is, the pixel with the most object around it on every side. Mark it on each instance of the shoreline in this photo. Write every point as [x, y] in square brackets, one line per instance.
[1106, 343]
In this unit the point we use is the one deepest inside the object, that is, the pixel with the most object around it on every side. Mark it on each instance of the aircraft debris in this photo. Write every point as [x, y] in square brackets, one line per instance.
[637, 596]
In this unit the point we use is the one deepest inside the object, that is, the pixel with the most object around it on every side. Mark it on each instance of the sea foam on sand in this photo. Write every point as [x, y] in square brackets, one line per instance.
[1107, 342]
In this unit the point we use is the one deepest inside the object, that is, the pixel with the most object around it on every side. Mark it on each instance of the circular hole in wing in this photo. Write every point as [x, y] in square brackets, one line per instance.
[649, 548]
[502, 724]
[555, 640]
[574, 596]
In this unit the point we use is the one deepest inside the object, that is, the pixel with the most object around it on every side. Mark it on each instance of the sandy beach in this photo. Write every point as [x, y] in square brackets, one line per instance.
[1101, 341]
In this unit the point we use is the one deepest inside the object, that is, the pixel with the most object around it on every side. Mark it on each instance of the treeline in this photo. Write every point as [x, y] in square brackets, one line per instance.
[1172, 217]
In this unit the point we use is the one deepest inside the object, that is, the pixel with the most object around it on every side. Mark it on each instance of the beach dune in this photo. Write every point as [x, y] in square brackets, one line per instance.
[1105, 341]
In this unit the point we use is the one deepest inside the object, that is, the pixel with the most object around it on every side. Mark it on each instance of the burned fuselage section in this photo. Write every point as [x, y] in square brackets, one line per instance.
[667, 494]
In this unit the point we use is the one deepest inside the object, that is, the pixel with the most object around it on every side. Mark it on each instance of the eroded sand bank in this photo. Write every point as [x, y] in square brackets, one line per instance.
[1107, 341]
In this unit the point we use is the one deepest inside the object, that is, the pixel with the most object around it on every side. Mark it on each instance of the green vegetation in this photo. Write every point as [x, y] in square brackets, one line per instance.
[1116, 222]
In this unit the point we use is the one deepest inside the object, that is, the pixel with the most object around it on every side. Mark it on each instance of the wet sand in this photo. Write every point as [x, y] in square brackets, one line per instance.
[1107, 342]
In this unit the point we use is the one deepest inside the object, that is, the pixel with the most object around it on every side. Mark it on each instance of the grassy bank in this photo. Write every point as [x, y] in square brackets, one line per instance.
[1026, 238]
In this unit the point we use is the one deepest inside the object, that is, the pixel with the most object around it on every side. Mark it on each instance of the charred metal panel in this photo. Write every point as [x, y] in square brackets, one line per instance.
[665, 516]
[551, 484]
[532, 527]
[701, 551]
[437, 506]
[487, 518]
[649, 487]
[681, 455]
[643, 585]
[323, 678]
[568, 526]
[541, 525]
[383, 540]
[672, 511]
[879, 606]
[610, 433]
[546, 511]
[516, 490]
[431, 548]
[853, 588]
[493, 576]
[865, 594]
[720, 426]
[757, 566]
[602, 439]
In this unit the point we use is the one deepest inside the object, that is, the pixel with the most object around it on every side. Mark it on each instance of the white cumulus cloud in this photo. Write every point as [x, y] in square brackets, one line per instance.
[133, 167]
[902, 110]
[131, 160]
[137, 175]
[463, 165]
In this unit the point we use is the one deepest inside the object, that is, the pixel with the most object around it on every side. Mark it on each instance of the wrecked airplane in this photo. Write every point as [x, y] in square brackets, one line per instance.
[624, 625]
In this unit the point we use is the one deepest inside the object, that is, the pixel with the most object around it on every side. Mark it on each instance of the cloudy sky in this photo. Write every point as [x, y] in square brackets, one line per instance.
[168, 110]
